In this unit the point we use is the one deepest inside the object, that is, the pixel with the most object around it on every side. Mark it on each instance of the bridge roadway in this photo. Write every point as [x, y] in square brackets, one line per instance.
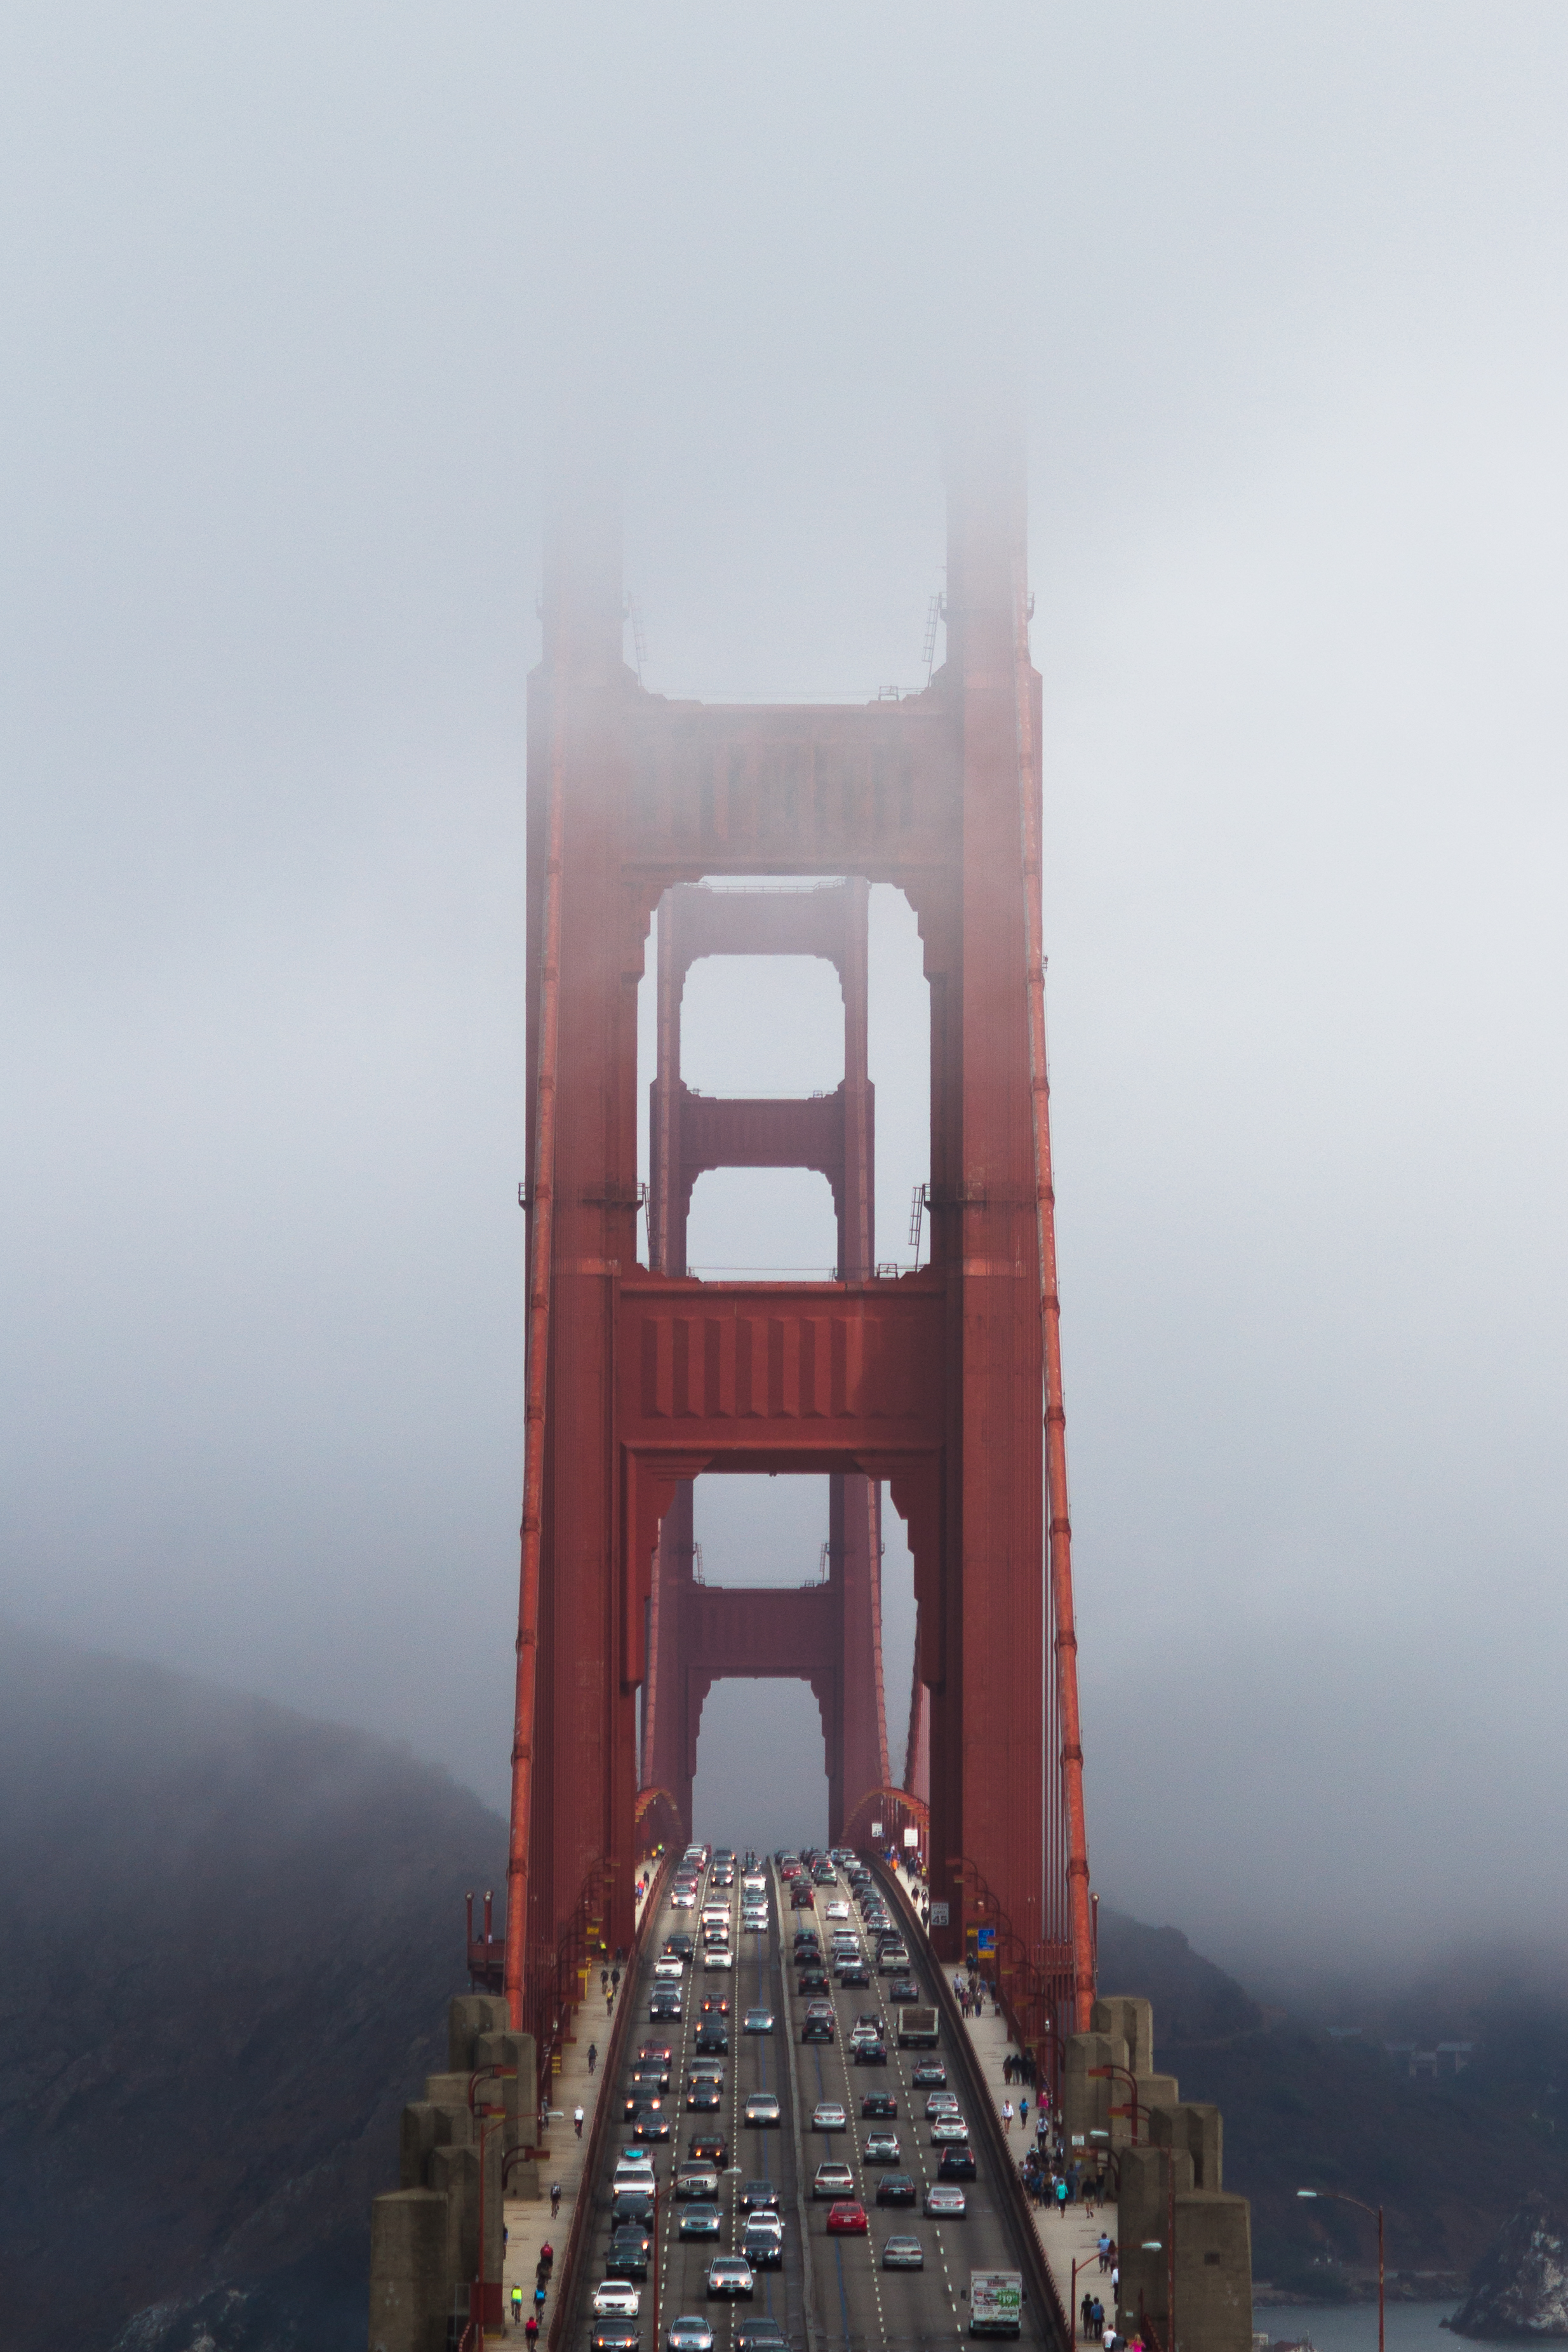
[833, 2293]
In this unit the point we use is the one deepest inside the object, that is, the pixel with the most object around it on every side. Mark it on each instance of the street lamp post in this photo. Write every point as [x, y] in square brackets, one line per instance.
[1136, 2108]
[484, 2117]
[1338, 2197]
[1151, 2246]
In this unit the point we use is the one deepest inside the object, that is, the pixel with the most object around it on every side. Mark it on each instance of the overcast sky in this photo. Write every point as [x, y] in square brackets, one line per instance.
[293, 303]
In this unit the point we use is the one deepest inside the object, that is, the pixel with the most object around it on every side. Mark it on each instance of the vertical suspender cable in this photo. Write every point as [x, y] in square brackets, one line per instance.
[541, 1246]
[1065, 1637]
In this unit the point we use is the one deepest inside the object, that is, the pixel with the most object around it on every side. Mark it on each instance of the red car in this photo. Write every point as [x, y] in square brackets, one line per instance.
[847, 2220]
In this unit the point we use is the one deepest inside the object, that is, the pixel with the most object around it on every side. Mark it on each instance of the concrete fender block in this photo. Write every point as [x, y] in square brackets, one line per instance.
[409, 2289]
[1132, 2019]
[469, 2014]
[1199, 2128]
[425, 2127]
[1214, 2271]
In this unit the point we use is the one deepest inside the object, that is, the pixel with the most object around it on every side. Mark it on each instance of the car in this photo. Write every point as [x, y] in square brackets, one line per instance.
[700, 2220]
[690, 2333]
[707, 2147]
[755, 1922]
[763, 2249]
[866, 2052]
[812, 1980]
[758, 2021]
[696, 2180]
[653, 2053]
[759, 2197]
[847, 2219]
[614, 2335]
[632, 2208]
[945, 2202]
[640, 2095]
[904, 2253]
[949, 2131]
[930, 2075]
[853, 1972]
[827, 2116]
[817, 2029]
[895, 2188]
[880, 2104]
[832, 2180]
[678, 1946]
[904, 1992]
[761, 2336]
[762, 2109]
[629, 2251]
[704, 2098]
[956, 2163]
[654, 2072]
[730, 2274]
[715, 2004]
[717, 1960]
[706, 2070]
[683, 1899]
[941, 2103]
[616, 2299]
[838, 1911]
[882, 2147]
[651, 2123]
[713, 2035]
[636, 2163]
[665, 2002]
[768, 2221]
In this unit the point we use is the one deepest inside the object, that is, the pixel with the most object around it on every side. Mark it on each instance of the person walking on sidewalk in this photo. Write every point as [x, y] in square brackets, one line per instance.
[576, 2120]
[1006, 2115]
[593, 2056]
[554, 2198]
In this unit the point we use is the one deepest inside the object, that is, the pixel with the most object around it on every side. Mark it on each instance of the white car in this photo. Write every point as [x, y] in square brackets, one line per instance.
[838, 1911]
[616, 2299]
[719, 1960]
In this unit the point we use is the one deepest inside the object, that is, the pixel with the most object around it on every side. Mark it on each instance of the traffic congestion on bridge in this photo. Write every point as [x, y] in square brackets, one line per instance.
[788, 2160]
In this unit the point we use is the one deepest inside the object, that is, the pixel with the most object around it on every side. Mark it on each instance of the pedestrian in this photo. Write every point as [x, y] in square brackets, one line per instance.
[609, 2003]
[1098, 2323]
[604, 1979]
[1109, 2337]
[577, 2121]
[1087, 2313]
[554, 2198]
[1006, 2115]
[1023, 2112]
[1060, 2196]
[615, 1979]
[593, 2056]
[1115, 2282]
[1102, 2248]
[516, 2306]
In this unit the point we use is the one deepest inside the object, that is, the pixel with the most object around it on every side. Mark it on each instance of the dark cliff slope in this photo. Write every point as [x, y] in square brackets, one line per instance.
[228, 1935]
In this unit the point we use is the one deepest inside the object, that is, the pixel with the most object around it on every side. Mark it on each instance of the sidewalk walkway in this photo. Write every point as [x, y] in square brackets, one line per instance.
[1069, 2238]
[528, 2219]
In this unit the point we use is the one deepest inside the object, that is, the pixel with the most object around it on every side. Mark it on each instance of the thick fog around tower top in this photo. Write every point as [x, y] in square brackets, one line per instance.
[304, 310]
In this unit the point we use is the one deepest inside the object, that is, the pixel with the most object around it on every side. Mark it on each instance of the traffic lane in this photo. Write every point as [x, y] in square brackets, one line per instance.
[752, 2064]
[855, 2296]
[984, 2239]
[593, 2265]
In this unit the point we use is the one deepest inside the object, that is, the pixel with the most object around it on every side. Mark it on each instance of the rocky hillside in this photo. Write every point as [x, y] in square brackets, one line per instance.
[228, 1935]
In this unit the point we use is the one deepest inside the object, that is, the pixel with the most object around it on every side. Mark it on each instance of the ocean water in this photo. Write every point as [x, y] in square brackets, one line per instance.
[1353, 2326]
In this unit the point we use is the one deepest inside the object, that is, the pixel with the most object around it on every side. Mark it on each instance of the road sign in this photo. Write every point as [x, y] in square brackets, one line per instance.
[940, 1915]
